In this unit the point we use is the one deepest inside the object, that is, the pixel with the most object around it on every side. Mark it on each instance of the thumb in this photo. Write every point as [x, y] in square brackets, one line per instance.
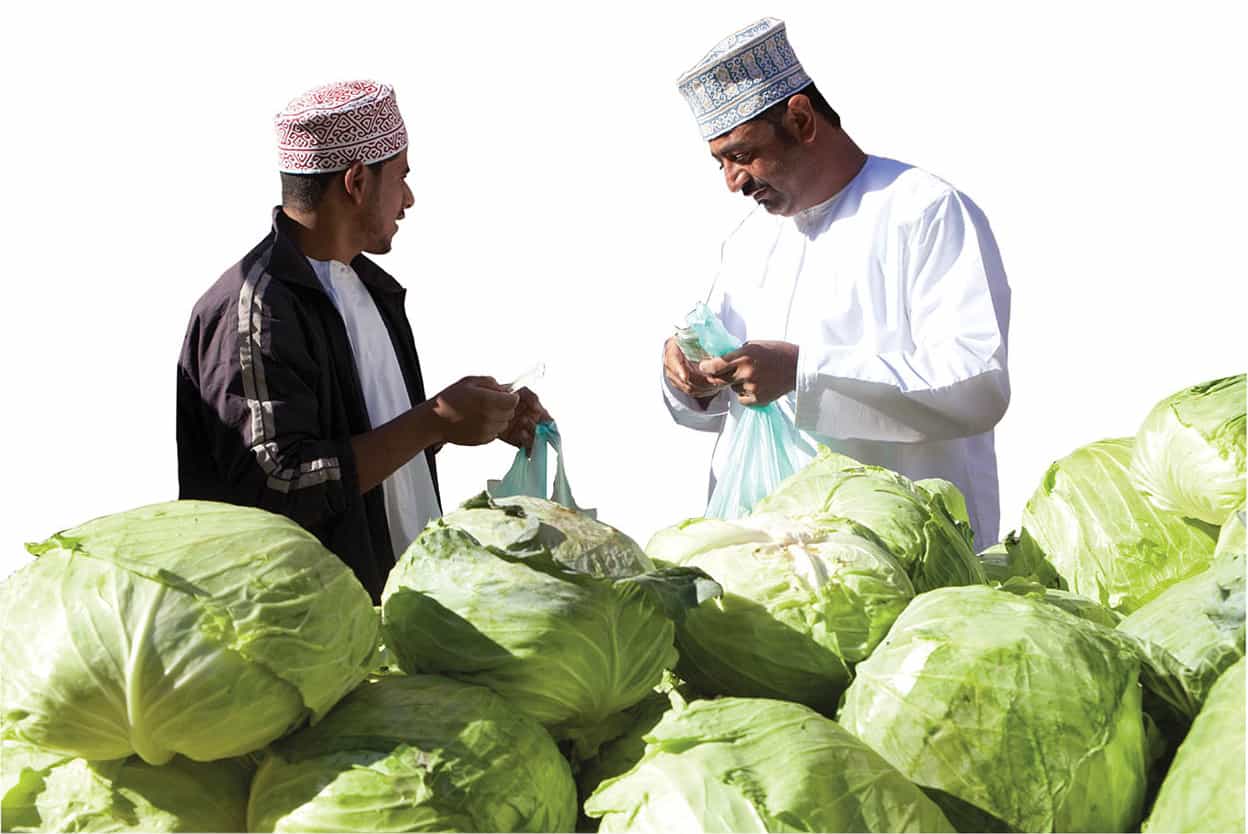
[726, 369]
[713, 366]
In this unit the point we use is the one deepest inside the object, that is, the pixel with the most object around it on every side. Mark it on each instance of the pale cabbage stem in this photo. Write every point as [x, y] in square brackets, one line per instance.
[148, 751]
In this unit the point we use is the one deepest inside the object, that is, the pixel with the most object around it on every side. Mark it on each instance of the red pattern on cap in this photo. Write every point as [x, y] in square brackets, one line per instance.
[330, 127]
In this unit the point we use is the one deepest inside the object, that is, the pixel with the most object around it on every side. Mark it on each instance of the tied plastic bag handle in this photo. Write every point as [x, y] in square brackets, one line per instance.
[764, 448]
[527, 475]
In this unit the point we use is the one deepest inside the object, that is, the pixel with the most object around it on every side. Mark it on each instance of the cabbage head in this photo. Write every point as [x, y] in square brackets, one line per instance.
[914, 522]
[574, 539]
[569, 647]
[1189, 455]
[1204, 787]
[1008, 710]
[189, 627]
[45, 791]
[804, 599]
[1105, 539]
[1199, 622]
[755, 764]
[418, 753]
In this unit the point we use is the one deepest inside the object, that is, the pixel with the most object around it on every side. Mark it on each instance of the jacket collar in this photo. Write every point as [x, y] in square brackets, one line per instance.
[290, 264]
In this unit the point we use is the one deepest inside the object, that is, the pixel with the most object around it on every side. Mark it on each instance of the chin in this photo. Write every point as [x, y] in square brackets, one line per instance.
[782, 209]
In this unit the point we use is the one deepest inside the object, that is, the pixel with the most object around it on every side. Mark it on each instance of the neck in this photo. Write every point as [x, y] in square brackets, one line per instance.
[320, 237]
[837, 161]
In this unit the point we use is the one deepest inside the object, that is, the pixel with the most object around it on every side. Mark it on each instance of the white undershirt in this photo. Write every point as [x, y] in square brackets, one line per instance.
[411, 502]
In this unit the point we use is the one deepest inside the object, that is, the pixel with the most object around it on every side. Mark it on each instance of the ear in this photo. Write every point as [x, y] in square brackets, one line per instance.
[356, 182]
[799, 118]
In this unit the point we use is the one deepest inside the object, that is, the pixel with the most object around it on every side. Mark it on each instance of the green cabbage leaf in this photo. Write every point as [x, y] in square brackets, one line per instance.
[1012, 713]
[193, 628]
[1192, 632]
[755, 764]
[45, 791]
[1189, 455]
[569, 647]
[1204, 787]
[918, 524]
[804, 600]
[1106, 541]
[1018, 556]
[415, 753]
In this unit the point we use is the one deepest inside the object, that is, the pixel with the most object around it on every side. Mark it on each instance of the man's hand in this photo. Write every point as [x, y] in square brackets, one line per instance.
[685, 376]
[529, 412]
[759, 372]
[474, 410]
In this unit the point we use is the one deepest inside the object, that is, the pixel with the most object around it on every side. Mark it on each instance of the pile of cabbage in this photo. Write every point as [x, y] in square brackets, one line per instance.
[837, 659]
[1070, 678]
[195, 666]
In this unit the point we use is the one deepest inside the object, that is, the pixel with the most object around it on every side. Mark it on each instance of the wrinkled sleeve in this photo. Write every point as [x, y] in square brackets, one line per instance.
[249, 415]
[950, 380]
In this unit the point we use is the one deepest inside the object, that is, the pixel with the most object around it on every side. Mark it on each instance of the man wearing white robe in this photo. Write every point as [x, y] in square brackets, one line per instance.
[870, 294]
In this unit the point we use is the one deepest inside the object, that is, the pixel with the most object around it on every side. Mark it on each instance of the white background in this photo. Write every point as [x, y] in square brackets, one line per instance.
[566, 211]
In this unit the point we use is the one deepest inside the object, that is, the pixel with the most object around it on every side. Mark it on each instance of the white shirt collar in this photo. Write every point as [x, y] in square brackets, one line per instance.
[327, 271]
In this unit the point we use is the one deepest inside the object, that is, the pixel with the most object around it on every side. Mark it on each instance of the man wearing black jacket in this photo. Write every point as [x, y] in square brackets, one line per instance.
[299, 386]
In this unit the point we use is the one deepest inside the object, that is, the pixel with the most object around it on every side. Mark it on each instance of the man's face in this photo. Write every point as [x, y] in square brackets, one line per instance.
[762, 161]
[389, 197]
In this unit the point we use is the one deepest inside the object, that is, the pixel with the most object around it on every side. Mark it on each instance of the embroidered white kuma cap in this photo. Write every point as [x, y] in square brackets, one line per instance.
[744, 74]
[331, 126]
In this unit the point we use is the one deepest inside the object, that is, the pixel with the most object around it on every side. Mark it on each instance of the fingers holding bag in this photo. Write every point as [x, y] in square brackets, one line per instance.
[475, 410]
[529, 413]
[759, 372]
[684, 374]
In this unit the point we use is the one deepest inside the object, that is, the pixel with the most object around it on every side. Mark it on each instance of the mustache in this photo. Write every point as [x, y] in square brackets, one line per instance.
[751, 186]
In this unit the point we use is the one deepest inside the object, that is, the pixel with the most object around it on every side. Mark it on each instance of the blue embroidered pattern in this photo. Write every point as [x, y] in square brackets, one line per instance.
[742, 76]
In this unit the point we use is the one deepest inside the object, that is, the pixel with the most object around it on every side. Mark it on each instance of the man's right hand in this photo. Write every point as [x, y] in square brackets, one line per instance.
[685, 376]
[474, 410]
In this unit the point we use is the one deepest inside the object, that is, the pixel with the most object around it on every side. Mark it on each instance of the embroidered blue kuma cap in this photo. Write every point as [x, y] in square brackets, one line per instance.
[744, 74]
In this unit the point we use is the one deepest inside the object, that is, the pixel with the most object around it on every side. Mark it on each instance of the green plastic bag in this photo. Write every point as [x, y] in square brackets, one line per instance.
[764, 449]
[527, 475]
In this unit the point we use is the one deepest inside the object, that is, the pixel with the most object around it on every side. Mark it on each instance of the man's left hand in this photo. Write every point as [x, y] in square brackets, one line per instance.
[529, 412]
[759, 372]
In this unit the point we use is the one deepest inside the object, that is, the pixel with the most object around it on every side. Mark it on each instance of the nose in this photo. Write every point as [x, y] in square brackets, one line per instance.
[408, 199]
[734, 176]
